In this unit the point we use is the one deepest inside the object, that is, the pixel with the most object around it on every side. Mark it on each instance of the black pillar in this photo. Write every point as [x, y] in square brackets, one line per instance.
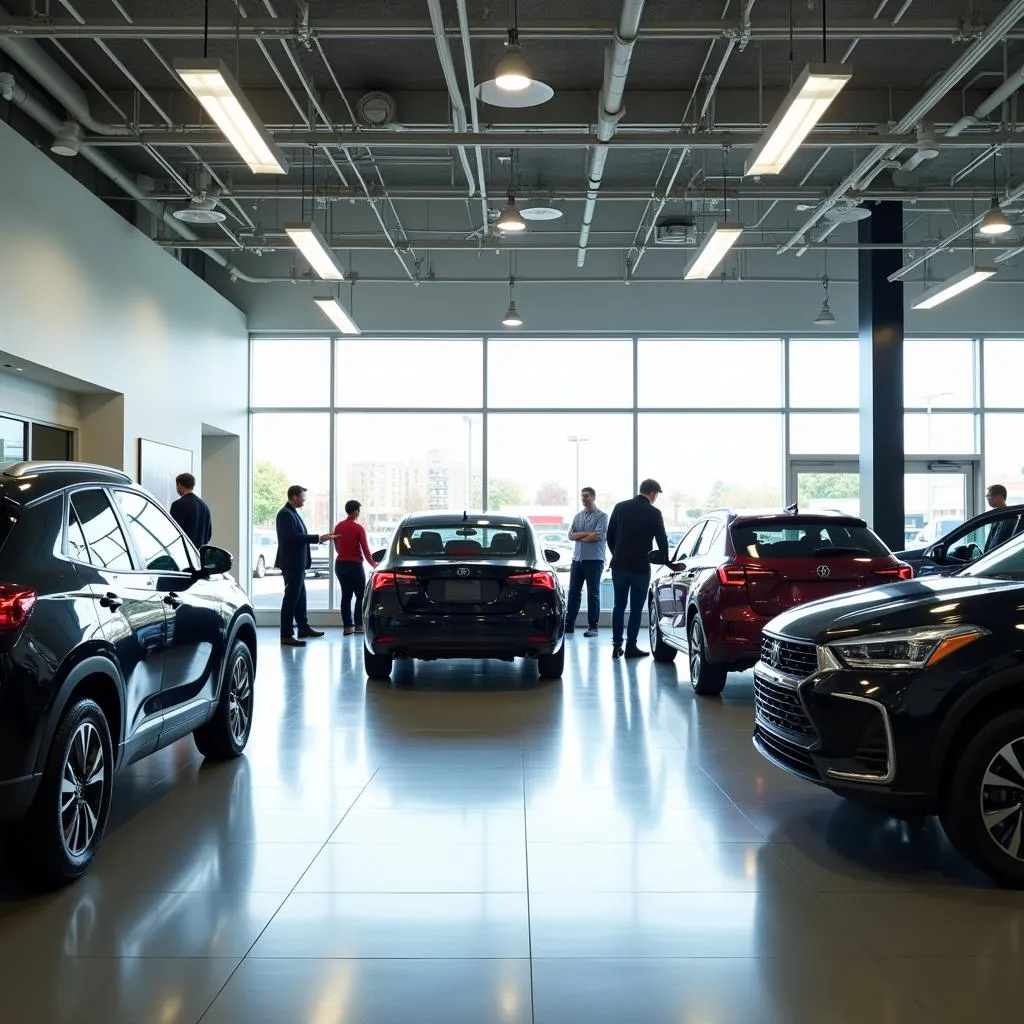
[881, 374]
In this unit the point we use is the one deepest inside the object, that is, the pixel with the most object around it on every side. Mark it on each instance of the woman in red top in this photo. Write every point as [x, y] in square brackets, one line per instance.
[351, 548]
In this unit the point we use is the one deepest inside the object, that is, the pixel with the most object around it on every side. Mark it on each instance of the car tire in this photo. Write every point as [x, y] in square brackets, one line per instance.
[378, 666]
[225, 735]
[261, 568]
[57, 840]
[984, 822]
[706, 679]
[660, 650]
[551, 666]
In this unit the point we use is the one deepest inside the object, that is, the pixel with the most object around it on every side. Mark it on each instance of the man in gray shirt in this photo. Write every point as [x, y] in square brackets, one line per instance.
[589, 530]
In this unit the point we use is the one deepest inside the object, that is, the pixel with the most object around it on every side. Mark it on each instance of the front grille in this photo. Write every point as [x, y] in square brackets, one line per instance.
[873, 750]
[780, 707]
[789, 656]
[789, 755]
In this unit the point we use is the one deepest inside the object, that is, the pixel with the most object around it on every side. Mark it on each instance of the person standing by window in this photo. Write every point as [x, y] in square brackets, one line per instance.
[588, 531]
[351, 548]
[293, 559]
[190, 512]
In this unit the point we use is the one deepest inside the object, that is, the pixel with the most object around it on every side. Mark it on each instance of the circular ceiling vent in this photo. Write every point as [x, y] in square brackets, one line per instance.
[540, 213]
[200, 210]
[847, 211]
[376, 109]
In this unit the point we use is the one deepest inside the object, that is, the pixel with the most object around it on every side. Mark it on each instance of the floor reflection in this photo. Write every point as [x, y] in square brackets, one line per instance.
[468, 844]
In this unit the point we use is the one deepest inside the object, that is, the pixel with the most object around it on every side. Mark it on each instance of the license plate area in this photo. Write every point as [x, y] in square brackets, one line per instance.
[463, 592]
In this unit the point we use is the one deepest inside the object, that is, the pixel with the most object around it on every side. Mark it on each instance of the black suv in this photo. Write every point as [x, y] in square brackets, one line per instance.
[116, 639]
[910, 697]
[967, 543]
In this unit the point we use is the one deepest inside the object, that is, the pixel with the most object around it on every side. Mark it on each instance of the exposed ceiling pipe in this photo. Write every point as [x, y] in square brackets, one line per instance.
[991, 37]
[997, 99]
[467, 56]
[444, 54]
[609, 110]
[51, 76]
[770, 30]
[14, 93]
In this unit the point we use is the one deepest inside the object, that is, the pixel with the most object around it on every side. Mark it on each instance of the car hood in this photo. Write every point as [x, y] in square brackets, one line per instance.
[894, 606]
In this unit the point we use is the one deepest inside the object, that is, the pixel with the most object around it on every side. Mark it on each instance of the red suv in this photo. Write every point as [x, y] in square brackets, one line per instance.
[732, 573]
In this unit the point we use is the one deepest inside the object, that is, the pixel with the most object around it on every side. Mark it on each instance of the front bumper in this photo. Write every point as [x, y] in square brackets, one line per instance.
[851, 732]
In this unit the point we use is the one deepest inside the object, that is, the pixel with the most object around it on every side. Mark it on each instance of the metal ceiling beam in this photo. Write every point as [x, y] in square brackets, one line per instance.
[773, 30]
[194, 136]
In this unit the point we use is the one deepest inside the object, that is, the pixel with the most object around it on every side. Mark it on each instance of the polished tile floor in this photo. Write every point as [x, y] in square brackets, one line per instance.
[469, 846]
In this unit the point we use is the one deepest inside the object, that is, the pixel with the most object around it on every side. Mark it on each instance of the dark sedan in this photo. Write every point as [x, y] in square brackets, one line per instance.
[464, 586]
[967, 543]
[910, 697]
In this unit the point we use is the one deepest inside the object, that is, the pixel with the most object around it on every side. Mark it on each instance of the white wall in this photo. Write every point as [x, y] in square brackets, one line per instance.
[28, 399]
[84, 292]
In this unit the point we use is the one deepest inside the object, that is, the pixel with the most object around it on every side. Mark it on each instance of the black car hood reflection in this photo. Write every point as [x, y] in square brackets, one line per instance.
[895, 606]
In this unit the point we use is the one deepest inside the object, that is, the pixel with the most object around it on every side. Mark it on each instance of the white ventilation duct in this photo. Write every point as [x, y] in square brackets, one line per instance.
[1000, 96]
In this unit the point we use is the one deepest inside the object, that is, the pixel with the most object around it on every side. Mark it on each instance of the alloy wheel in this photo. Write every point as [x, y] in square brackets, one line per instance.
[240, 701]
[652, 626]
[1002, 799]
[696, 653]
[82, 790]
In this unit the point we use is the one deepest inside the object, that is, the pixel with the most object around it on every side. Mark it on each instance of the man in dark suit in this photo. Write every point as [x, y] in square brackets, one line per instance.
[1003, 529]
[190, 512]
[635, 527]
[293, 559]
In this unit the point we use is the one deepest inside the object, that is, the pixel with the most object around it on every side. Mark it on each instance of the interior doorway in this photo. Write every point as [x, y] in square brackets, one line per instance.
[221, 488]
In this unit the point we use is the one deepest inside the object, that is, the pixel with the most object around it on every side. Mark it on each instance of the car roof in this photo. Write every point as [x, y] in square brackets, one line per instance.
[48, 477]
[986, 517]
[796, 518]
[420, 519]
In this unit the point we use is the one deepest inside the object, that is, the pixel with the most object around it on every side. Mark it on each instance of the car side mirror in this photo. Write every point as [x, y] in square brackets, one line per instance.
[215, 561]
[935, 553]
[379, 556]
[552, 556]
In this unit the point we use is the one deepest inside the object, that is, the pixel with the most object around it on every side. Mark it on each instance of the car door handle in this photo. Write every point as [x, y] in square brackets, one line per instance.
[111, 601]
[173, 600]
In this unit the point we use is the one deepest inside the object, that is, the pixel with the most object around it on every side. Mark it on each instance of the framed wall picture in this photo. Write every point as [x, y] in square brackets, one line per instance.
[159, 465]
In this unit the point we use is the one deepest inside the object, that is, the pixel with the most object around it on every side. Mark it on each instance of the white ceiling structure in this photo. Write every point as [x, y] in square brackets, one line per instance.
[641, 149]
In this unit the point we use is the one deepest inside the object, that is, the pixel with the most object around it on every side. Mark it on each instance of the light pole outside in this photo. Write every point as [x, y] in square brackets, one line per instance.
[573, 439]
[468, 420]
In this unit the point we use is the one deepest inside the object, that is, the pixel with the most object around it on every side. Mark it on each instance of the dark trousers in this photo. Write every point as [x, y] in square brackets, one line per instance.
[352, 578]
[293, 605]
[588, 572]
[631, 587]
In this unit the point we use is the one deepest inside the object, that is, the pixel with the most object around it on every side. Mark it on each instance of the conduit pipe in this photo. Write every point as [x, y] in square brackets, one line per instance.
[610, 110]
[444, 54]
[991, 37]
[998, 98]
[467, 55]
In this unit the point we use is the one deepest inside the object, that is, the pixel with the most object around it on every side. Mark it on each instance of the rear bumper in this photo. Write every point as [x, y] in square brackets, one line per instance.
[16, 796]
[472, 639]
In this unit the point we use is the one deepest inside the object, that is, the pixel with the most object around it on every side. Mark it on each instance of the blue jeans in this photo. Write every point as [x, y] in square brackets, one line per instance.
[352, 578]
[589, 572]
[631, 587]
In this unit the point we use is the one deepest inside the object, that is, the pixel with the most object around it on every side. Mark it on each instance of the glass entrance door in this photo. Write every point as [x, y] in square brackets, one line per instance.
[938, 496]
[819, 484]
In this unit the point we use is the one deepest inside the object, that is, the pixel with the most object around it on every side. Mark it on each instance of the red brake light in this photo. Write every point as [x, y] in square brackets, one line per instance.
[16, 604]
[740, 576]
[391, 579]
[901, 571]
[532, 579]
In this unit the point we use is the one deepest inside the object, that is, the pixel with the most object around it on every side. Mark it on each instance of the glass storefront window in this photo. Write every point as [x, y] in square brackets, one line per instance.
[1004, 454]
[824, 433]
[938, 374]
[1004, 371]
[939, 434]
[291, 372]
[824, 373]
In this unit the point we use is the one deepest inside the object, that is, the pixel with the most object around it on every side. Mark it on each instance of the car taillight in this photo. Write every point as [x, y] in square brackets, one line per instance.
[740, 576]
[16, 604]
[900, 572]
[532, 579]
[391, 579]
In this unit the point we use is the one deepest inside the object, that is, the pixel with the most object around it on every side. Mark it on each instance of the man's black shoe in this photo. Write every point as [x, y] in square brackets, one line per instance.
[290, 641]
[632, 651]
[616, 652]
[570, 629]
[304, 633]
[591, 632]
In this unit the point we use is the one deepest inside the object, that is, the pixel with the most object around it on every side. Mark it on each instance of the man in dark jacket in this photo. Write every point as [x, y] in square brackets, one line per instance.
[190, 512]
[634, 529]
[293, 559]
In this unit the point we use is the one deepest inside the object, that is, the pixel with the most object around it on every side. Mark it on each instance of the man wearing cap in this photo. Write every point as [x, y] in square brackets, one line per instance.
[635, 527]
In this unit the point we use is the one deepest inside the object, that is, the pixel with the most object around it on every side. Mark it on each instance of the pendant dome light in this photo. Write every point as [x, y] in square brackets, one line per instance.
[511, 317]
[995, 222]
[513, 74]
[825, 317]
[510, 218]
[513, 84]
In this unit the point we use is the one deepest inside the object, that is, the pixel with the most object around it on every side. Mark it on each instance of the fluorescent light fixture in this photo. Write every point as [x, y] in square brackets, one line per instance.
[337, 313]
[952, 287]
[995, 222]
[717, 242]
[803, 107]
[314, 247]
[213, 85]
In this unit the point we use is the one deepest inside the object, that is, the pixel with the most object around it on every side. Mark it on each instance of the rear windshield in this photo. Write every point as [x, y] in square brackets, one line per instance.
[463, 540]
[805, 540]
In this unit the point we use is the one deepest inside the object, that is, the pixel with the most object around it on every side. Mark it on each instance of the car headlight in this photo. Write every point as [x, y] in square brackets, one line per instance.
[909, 648]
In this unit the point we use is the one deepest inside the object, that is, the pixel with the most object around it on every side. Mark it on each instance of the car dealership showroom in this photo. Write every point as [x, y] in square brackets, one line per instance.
[512, 513]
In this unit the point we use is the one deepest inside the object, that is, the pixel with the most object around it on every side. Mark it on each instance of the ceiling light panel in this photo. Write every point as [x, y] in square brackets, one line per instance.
[318, 253]
[717, 243]
[952, 287]
[338, 315]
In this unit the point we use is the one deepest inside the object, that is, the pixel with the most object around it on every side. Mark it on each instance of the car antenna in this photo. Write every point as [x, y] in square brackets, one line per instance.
[465, 516]
[793, 509]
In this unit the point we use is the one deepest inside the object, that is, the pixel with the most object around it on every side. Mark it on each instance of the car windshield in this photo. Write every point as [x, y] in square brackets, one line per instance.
[805, 540]
[1005, 563]
[462, 540]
